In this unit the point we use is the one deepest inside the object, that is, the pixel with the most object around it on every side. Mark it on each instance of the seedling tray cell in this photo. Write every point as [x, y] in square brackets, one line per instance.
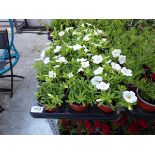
[140, 113]
[64, 112]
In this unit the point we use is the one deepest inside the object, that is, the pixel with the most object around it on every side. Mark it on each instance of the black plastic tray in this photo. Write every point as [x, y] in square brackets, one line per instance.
[137, 112]
[92, 113]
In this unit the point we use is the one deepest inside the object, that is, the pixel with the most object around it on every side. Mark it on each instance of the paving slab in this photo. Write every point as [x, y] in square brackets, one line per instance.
[16, 118]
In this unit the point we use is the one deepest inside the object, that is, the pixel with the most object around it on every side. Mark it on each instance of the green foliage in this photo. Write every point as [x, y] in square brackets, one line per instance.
[146, 90]
[135, 38]
[50, 95]
[81, 92]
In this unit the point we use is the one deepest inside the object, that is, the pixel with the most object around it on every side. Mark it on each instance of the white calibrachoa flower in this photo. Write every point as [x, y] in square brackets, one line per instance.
[116, 53]
[85, 30]
[57, 49]
[80, 70]
[89, 54]
[116, 66]
[95, 44]
[85, 64]
[122, 59]
[70, 75]
[98, 71]
[99, 31]
[86, 50]
[61, 33]
[98, 100]
[97, 59]
[46, 60]
[86, 38]
[103, 86]
[57, 66]
[70, 46]
[129, 96]
[88, 24]
[126, 71]
[77, 47]
[68, 28]
[52, 74]
[81, 60]
[96, 80]
[84, 46]
[95, 33]
[82, 25]
[104, 39]
[61, 59]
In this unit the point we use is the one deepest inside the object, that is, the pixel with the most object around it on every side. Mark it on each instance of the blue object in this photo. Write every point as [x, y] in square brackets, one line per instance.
[14, 52]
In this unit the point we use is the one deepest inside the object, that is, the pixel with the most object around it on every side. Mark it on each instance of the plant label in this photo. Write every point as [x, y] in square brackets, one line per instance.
[37, 109]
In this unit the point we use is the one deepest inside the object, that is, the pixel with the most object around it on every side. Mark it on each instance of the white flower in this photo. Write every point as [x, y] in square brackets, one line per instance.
[96, 80]
[89, 54]
[80, 70]
[99, 31]
[95, 44]
[46, 60]
[98, 71]
[56, 66]
[42, 56]
[81, 60]
[88, 24]
[116, 53]
[82, 25]
[61, 33]
[61, 59]
[52, 74]
[70, 75]
[84, 46]
[86, 38]
[122, 59]
[103, 86]
[68, 28]
[98, 100]
[86, 50]
[77, 47]
[85, 64]
[129, 96]
[69, 46]
[126, 71]
[116, 66]
[57, 49]
[85, 30]
[104, 39]
[97, 59]
[108, 62]
[95, 33]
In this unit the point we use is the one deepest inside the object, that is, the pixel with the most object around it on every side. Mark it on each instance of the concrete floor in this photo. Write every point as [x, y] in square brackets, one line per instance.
[16, 119]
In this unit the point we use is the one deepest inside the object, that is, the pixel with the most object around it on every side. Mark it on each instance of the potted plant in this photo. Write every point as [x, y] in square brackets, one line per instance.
[81, 63]
[146, 95]
[81, 95]
[50, 96]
